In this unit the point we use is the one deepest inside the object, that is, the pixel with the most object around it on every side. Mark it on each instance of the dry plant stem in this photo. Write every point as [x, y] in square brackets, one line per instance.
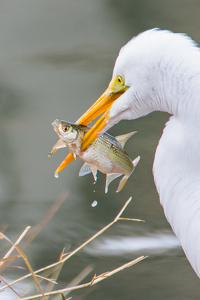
[122, 210]
[15, 244]
[9, 258]
[31, 270]
[55, 274]
[6, 256]
[1, 278]
[77, 249]
[44, 277]
[95, 280]
[24, 258]
[76, 280]
[48, 279]
[130, 219]
[35, 230]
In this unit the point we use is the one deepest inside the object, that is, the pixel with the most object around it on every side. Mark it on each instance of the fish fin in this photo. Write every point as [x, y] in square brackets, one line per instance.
[125, 178]
[94, 172]
[85, 169]
[124, 137]
[136, 161]
[110, 178]
[58, 145]
[122, 183]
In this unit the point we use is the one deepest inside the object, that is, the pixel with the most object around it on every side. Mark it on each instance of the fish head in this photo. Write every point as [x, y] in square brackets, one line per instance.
[66, 131]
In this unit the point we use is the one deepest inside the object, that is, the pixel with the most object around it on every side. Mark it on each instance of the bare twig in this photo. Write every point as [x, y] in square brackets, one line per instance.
[130, 219]
[63, 258]
[9, 258]
[95, 280]
[15, 244]
[76, 280]
[25, 260]
[77, 249]
[2, 279]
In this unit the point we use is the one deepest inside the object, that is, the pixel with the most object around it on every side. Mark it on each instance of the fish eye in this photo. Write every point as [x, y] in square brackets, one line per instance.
[121, 79]
[65, 128]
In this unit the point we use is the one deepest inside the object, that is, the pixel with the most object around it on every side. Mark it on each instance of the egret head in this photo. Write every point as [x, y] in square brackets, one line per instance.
[141, 81]
[116, 88]
[129, 82]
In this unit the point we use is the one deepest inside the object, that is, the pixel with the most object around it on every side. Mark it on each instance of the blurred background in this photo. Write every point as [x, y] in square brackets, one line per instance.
[56, 59]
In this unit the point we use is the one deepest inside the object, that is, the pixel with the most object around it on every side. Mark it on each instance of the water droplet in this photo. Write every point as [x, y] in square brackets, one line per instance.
[94, 182]
[56, 175]
[94, 203]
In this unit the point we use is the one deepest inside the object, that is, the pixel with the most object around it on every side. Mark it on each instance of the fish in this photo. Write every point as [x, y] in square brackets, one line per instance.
[105, 154]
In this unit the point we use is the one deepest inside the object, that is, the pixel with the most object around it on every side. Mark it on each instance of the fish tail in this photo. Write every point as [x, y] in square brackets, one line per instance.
[122, 183]
[109, 179]
[136, 161]
[125, 178]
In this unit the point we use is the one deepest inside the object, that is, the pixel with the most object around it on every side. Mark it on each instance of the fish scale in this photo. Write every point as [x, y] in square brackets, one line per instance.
[110, 147]
[105, 154]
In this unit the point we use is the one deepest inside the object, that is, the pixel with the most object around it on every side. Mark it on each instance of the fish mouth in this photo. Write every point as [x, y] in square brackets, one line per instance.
[55, 124]
[115, 89]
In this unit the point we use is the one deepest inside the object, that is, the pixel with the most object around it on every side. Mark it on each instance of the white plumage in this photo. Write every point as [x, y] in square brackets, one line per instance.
[163, 71]
[159, 70]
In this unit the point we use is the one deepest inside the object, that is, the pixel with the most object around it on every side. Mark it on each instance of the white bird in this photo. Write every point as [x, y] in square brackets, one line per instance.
[161, 70]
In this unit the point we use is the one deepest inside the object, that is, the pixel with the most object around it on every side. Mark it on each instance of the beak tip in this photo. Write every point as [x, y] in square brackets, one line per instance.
[56, 175]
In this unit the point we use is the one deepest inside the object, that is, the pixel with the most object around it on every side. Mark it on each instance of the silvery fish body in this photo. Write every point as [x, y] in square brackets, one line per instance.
[105, 154]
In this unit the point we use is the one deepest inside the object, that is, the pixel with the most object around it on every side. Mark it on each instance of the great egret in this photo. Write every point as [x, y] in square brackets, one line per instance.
[161, 70]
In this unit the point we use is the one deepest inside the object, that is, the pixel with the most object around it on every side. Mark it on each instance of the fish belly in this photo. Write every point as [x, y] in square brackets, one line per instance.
[104, 161]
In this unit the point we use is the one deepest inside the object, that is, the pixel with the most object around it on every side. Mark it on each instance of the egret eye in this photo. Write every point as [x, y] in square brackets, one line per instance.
[121, 79]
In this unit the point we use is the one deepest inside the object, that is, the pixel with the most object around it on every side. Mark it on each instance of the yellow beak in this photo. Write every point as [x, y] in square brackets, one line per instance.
[115, 89]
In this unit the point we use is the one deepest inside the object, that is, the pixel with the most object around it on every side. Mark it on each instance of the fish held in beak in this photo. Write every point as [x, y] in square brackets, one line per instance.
[105, 154]
[115, 89]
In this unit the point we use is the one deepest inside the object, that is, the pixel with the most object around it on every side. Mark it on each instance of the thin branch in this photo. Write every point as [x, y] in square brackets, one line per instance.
[122, 210]
[15, 244]
[24, 258]
[95, 280]
[130, 219]
[9, 258]
[85, 272]
[77, 249]
[2, 279]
